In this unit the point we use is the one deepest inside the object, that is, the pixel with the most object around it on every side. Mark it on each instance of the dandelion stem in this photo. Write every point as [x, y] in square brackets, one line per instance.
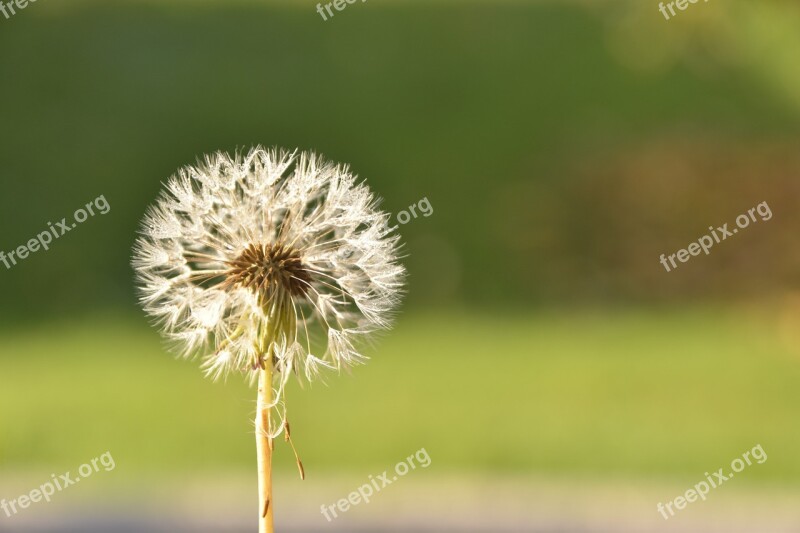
[264, 450]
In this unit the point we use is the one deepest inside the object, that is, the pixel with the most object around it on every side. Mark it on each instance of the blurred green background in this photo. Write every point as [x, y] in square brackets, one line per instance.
[564, 146]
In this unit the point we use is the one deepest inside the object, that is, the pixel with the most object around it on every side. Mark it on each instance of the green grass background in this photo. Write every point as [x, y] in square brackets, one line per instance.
[628, 394]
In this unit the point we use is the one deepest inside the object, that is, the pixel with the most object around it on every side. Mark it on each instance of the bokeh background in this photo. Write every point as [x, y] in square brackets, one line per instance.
[559, 378]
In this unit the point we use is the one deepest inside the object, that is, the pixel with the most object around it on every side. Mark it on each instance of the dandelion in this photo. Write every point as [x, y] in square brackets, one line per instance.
[268, 264]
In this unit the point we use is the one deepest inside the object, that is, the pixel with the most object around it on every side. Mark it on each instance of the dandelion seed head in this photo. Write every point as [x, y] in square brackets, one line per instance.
[266, 258]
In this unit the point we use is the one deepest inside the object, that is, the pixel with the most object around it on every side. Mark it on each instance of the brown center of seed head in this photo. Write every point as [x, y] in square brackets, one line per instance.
[267, 268]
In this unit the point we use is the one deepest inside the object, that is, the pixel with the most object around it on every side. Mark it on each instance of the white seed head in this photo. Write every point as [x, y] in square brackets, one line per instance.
[265, 259]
